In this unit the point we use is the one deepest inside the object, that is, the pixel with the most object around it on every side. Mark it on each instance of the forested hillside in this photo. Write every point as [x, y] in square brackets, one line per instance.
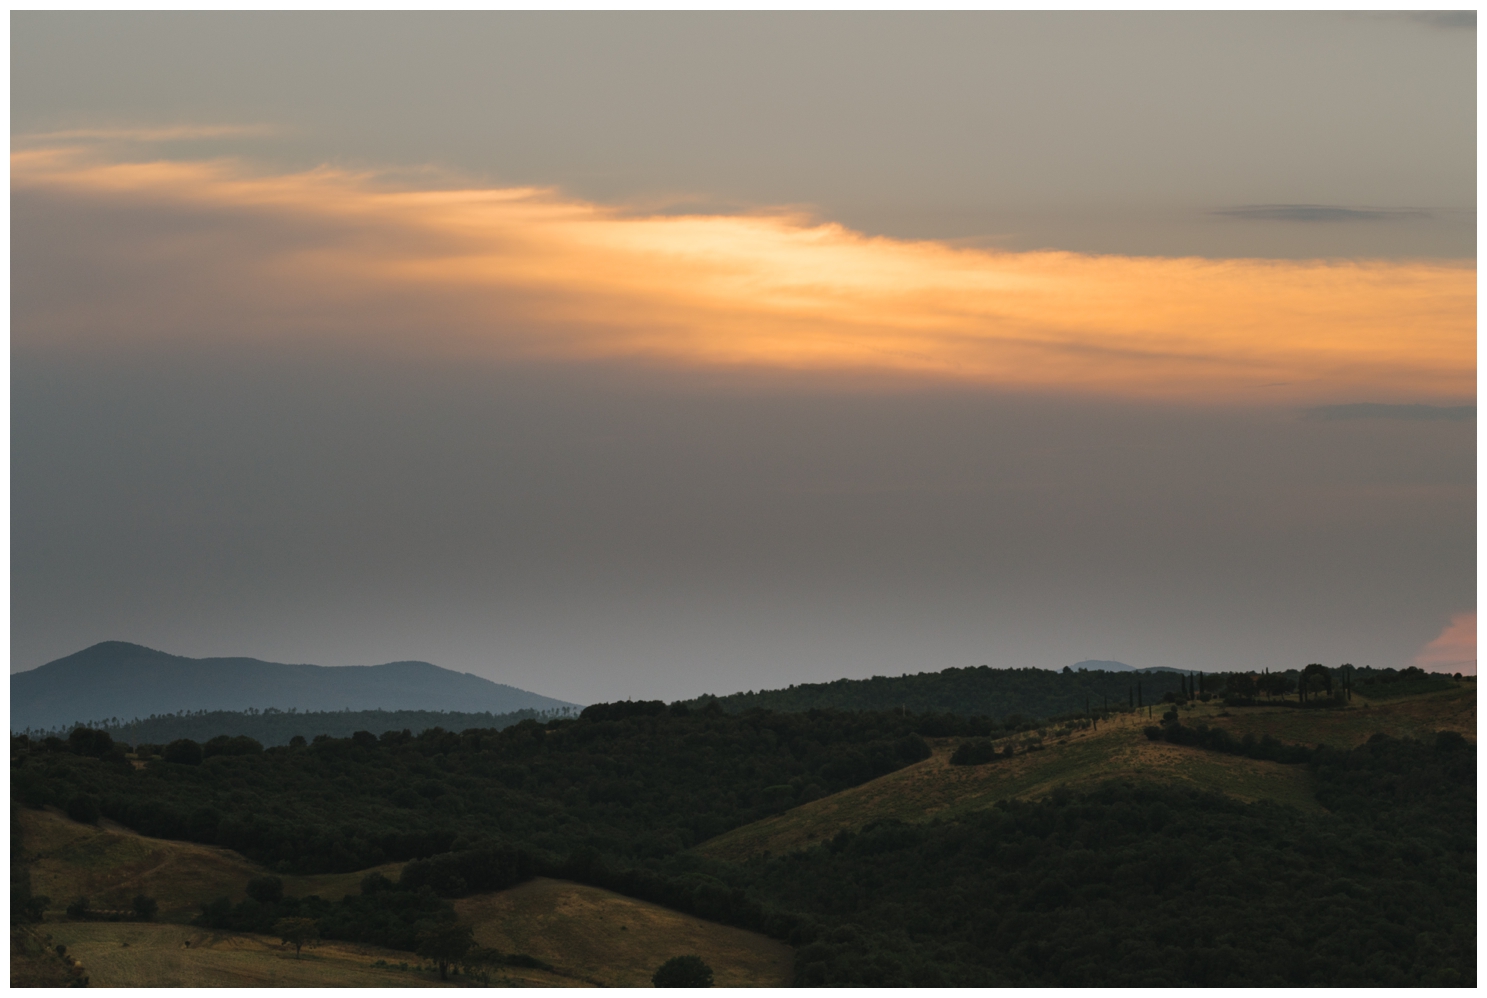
[1158, 887]
[1124, 884]
[632, 780]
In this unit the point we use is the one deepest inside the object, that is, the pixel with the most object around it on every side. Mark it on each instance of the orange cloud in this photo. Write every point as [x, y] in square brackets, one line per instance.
[527, 272]
[1454, 650]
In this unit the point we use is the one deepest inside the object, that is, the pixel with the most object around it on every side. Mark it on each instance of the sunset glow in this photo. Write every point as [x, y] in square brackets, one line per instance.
[1454, 650]
[528, 272]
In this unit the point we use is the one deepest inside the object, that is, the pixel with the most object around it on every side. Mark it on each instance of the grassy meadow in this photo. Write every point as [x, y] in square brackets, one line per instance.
[109, 865]
[591, 936]
[611, 940]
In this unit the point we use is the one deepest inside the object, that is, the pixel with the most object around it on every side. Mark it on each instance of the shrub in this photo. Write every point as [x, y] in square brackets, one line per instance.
[974, 753]
[683, 972]
[223, 745]
[183, 751]
[25, 906]
[83, 808]
[267, 890]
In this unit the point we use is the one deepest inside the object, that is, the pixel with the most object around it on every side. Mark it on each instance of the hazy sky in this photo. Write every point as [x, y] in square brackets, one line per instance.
[649, 355]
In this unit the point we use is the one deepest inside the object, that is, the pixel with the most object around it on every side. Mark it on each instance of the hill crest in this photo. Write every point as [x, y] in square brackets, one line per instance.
[117, 679]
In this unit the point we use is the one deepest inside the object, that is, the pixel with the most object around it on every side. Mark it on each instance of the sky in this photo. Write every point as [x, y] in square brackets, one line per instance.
[648, 355]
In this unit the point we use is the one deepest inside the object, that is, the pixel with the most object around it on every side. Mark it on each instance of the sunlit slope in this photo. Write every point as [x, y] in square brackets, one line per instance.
[110, 865]
[133, 954]
[608, 939]
[1117, 750]
[576, 928]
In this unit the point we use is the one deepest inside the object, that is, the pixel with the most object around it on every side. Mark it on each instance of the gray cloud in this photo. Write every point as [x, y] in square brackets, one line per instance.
[1449, 19]
[1091, 131]
[1379, 410]
[1319, 213]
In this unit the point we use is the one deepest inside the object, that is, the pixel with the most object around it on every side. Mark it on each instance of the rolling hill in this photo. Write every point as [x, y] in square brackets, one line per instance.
[1071, 759]
[588, 935]
[116, 679]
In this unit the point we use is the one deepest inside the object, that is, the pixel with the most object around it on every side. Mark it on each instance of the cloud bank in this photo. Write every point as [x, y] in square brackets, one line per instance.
[211, 250]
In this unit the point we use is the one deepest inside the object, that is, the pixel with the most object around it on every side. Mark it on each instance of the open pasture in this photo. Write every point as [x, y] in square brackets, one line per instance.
[616, 941]
[110, 864]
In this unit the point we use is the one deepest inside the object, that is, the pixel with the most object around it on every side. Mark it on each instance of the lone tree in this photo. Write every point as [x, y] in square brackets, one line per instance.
[297, 932]
[683, 972]
[145, 907]
[446, 945]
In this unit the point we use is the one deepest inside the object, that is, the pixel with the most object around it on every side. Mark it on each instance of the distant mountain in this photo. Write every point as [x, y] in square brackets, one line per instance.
[1095, 665]
[117, 679]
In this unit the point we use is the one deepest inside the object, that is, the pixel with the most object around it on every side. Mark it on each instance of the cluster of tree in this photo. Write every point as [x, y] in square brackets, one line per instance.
[977, 752]
[644, 782]
[1380, 684]
[406, 915]
[277, 727]
[1319, 686]
[1219, 740]
[25, 907]
[689, 971]
[1017, 695]
[141, 909]
[384, 913]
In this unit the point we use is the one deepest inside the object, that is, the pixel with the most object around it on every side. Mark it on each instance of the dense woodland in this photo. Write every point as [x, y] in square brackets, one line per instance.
[637, 780]
[979, 691]
[1158, 887]
[1040, 693]
[1120, 885]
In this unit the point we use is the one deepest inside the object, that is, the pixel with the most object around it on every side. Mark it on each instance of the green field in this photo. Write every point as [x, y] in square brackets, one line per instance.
[1117, 750]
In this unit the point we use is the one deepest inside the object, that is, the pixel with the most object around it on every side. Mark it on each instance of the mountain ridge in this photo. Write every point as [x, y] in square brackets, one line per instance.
[124, 680]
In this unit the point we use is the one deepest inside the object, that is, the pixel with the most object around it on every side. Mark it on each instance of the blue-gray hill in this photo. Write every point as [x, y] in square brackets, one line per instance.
[116, 679]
